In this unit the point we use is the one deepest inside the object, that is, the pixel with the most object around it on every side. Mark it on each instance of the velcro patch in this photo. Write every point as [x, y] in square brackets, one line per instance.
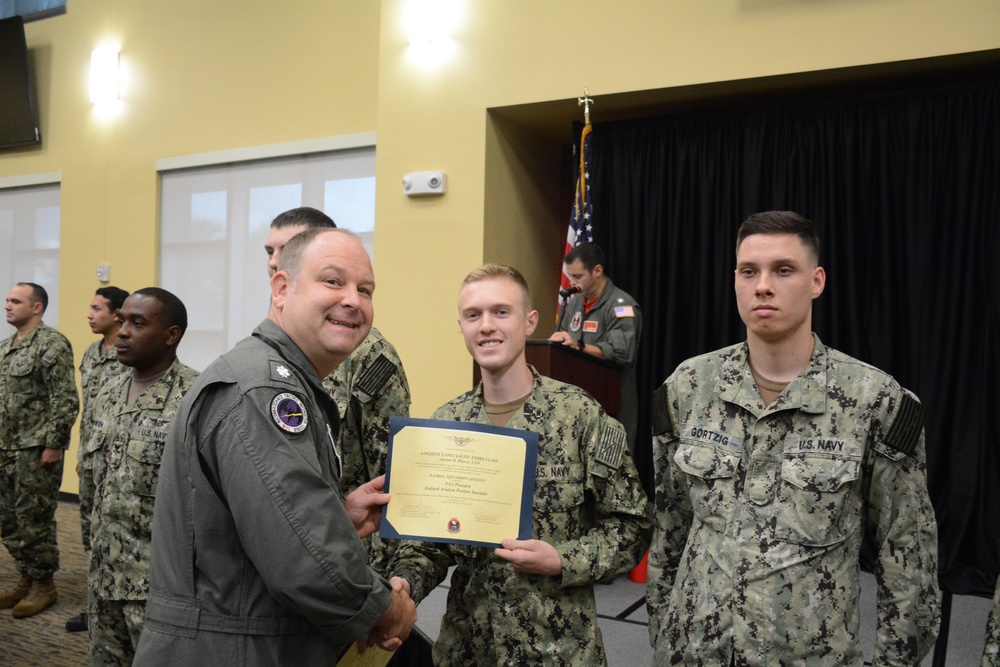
[612, 447]
[281, 372]
[904, 432]
[663, 419]
[373, 379]
[624, 311]
[289, 413]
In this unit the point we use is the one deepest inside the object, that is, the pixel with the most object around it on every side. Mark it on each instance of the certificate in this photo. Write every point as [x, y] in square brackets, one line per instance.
[372, 657]
[458, 483]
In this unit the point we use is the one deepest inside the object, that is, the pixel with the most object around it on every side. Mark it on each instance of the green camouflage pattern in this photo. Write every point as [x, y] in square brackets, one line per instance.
[97, 368]
[86, 494]
[588, 503]
[132, 437]
[759, 513]
[28, 499]
[369, 388]
[38, 405]
[991, 652]
[114, 627]
[38, 399]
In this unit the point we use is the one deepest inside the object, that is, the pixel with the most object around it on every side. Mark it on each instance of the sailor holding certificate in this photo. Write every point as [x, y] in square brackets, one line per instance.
[531, 601]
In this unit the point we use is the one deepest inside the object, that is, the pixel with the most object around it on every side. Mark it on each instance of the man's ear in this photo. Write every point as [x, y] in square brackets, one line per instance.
[172, 336]
[532, 322]
[280, 285]
[37, 308]
[598, 270]
[819, 281]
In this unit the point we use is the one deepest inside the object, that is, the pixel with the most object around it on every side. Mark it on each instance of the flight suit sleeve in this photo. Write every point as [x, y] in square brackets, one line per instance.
[621, 338]
[289, 515]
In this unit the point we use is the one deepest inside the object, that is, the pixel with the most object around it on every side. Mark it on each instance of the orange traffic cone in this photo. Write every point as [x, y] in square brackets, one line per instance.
[638, 573]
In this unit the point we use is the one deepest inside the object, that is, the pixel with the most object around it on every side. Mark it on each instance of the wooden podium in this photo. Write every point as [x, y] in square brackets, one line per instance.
[599, 377]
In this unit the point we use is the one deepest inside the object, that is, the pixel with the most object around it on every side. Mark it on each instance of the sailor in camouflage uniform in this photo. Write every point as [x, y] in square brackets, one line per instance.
[772, 458]
[97, 368]
[991, 652]
[369, 388]
[38, 405]
[532, 602]
[135, 412]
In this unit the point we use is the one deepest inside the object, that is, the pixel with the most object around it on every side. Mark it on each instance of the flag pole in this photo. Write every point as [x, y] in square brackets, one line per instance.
[585, 102]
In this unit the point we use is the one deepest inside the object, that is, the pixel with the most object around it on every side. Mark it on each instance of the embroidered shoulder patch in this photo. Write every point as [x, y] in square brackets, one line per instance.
[624, 311]
[373, 379]
[663, 421]
[904, 432]
[289, 413]
[612, 447]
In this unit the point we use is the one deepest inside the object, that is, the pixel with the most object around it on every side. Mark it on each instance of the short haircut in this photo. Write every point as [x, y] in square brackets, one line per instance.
[305, 216]
[781, 222]
[172, 310]
[589, 254]
[492, 271]
[291, 255]
[115, 295]
[38, 295]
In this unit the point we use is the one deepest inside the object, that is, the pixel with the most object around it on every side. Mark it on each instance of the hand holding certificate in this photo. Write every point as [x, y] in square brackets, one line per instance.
[458, 482]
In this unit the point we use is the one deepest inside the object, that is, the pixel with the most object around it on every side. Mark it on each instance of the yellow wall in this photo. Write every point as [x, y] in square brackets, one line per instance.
[209, 75]
[432, 115]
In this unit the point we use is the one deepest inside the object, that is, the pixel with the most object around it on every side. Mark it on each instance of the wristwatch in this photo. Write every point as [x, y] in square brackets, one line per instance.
[580, 345]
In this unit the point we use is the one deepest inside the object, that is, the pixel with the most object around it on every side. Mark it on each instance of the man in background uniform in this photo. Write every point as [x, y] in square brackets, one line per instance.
[772, 458]
[368, 388]
[135, 411]
[38, 405]
[97, 368]
[531, 602]
[605, 322]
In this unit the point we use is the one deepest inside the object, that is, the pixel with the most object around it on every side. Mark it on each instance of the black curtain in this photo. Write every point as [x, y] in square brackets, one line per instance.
[905, 190]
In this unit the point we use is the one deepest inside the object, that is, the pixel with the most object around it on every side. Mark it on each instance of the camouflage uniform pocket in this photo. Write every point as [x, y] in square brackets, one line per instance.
[564, 510]
[815, 490]
[142, 466]
[709, 473]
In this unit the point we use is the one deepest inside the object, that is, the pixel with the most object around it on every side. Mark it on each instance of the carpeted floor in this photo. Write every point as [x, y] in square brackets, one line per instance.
[42, 640]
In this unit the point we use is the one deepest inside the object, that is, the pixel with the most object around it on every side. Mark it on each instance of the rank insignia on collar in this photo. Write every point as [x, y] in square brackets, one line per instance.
[289, 413]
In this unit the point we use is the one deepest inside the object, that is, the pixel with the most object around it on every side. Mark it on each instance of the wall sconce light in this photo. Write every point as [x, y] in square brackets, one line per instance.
[104, 75]
[430, 22]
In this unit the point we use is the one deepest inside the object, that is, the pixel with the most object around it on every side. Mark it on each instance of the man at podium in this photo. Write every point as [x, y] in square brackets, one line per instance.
[604, 321]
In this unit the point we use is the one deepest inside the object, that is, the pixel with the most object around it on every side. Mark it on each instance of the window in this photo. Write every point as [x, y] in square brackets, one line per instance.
[29, 242]
[215, 220]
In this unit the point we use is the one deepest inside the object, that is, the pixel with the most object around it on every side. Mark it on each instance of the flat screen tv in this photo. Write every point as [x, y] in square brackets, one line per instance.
[18, 113]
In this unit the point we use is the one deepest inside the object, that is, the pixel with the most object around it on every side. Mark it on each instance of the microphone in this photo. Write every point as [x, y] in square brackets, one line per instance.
[570, 291]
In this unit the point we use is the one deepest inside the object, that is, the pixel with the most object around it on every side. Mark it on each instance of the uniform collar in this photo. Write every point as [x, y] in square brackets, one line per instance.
[151, 399]
[275, 337]
[807, 392]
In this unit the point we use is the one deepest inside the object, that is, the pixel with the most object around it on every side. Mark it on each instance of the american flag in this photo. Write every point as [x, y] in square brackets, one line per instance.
[580, 228]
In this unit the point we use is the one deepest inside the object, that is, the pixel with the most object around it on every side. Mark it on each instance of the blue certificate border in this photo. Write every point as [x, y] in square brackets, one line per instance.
[397, 424]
